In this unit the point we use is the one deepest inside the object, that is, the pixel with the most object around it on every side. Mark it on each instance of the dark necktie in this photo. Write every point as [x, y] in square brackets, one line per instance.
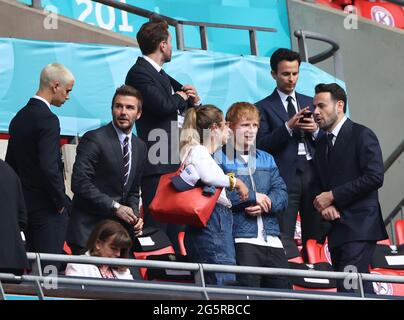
[291, 113]
[126, 160]
[330, 136]
[291, 107]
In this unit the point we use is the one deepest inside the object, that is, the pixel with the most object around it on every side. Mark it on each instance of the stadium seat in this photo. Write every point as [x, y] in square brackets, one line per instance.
[385, 13]
[317, 252]
[399, 229]
[66, 249]
[298, 231]
[385, 242]
[329, 3]
[181, 244]
[388, 289]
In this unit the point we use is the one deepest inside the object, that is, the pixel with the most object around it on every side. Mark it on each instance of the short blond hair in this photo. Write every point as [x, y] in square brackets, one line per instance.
[55, 72]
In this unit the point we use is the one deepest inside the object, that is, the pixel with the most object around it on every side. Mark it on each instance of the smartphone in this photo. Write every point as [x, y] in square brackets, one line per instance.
[307, 114]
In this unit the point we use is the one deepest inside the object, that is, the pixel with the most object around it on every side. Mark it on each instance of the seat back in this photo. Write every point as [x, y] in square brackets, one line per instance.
[399, 229]
[317, 252]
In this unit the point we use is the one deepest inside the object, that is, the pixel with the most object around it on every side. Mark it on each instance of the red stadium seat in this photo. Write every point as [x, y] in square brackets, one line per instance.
[67, 249]
[385, 13]
[144, 255]
[317, 252]
[389, 289]
[319, 258]
[399, 229]
[329, 3]
[385, 242]
[181, 244]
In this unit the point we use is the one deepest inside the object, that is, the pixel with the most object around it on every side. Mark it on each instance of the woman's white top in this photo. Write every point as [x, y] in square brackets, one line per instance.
[209, 171]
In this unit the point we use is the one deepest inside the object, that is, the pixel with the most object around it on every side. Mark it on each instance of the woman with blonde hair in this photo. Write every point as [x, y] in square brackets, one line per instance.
[204, 131]
[109, 239]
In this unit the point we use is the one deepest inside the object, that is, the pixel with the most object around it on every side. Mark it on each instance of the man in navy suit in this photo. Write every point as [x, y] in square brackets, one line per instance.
[34, 153]
[349, 165]
[289, 132]
[164, 102]
[107, 172]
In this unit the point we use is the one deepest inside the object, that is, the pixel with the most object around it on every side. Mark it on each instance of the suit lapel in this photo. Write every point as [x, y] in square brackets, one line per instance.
[341, 143]
[115, 147]
[277, 106]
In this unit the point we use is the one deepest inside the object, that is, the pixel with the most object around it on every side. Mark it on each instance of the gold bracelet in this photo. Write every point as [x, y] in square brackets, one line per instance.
[232, 180]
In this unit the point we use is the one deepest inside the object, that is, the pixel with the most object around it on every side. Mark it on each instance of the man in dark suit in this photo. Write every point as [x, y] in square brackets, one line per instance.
[107, 172]
[349, 165]
[164, 102]
[13, 219]
[289, 132]
[34, 153]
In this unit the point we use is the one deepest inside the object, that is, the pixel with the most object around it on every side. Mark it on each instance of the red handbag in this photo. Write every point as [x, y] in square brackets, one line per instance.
[189, 207]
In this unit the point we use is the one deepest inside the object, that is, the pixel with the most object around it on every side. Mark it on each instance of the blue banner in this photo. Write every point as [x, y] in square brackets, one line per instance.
[263, 13]
[221, 79]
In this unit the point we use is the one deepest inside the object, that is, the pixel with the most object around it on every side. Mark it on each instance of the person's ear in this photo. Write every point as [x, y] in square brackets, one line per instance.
[138, 115]
[340, 106]
[273, 74]
[54, 86]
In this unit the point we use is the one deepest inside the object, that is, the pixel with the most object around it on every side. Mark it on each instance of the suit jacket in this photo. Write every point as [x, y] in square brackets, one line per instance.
[354, 173]
[274, 138]
[34, 153]
[13, 218]
[97, 180]
[160, 110]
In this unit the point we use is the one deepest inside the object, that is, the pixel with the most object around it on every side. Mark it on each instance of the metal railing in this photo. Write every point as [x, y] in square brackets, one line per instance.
[399, 208]
[333, 51]
[199, 286]
[179, 24]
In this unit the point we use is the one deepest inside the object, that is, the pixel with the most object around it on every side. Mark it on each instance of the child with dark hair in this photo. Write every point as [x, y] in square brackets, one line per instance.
[109, 239]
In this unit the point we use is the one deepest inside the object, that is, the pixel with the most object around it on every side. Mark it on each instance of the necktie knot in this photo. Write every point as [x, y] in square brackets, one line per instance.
[289, 99]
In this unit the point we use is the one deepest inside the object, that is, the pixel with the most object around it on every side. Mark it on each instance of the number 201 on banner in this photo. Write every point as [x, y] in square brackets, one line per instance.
[109, 23]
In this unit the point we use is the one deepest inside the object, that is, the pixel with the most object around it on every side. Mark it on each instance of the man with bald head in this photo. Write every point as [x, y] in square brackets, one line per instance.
[34, 153]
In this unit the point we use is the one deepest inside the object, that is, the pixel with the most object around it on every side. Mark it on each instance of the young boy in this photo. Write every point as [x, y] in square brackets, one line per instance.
[255, 229]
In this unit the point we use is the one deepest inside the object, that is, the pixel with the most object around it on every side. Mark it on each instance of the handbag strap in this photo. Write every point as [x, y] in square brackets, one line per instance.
[182, 165]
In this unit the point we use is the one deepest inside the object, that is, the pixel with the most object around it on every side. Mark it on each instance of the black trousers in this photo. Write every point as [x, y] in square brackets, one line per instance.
[353, 255]
[260, 256]
[300, 199]
[149, 186]
[46, 232]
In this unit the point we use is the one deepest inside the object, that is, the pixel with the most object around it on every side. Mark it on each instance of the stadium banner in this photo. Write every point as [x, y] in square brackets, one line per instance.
[221, 79]
[268, 13]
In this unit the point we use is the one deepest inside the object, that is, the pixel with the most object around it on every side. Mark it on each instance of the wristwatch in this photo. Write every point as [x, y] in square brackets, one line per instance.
[115, 205]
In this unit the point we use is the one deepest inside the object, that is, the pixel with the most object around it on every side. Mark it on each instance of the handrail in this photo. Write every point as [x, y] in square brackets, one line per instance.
[200, 286]
[179, 24]
[179, 287]
[394, 156]
[334, 51]
[399, 207]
